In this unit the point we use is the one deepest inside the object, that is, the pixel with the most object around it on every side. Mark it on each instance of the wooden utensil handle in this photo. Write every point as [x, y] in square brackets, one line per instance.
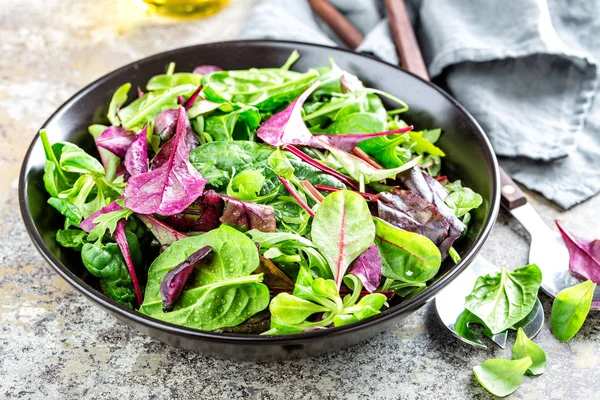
[511, 196]
[337, 22]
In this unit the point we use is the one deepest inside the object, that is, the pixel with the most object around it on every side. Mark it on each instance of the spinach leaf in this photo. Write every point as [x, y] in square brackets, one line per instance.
[223, 126]
[220, 292]
[356, 123]
[524, 347]
[503, 299]
[570, 308]
[72, 238]
[266, 89]
[501, 377]
[106, 262]
[463, 200]
[342, 229]
[407, 256]
[119, 98]
[387, 150]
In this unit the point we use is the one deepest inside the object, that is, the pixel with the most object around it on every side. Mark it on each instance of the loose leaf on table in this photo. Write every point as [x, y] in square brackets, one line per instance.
[406, 256]
[173, 186]
[136, 158]
[367, 267]
[584, 256]
[342, 229]
[161, 231]
[524, 347]
[463, 200]
[220, 292]
[118, 99]
[175, 280]
[570, 308]
[410, 212]
[433, 191]
[116, 140]
[503, 299]
[501, 377]
[248, 215]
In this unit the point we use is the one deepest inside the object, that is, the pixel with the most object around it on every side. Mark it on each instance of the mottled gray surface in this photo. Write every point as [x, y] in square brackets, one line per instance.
[55, 344]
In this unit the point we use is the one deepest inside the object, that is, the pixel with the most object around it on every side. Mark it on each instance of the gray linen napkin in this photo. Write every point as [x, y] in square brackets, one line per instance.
[526, 70]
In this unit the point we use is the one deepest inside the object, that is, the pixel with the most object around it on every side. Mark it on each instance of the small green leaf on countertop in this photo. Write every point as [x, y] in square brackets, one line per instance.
[570, 308]
[524, 347]
[501, 377]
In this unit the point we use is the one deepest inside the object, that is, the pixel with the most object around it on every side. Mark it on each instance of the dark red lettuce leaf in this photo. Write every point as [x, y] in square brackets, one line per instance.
[192, 99]
[172, 185]
[175, 280]
[409, 211]
[584, 256]
[162, 232]
[367, 268]
[288, 128]
[201, 216]
[206, 69]
[116, 140]
[248, 215]
[273, 276]
[433, 192]
[136, 158]
[121, 240]
[165, 124]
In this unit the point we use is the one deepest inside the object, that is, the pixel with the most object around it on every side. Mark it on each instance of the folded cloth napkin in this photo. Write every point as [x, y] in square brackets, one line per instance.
[527, 71]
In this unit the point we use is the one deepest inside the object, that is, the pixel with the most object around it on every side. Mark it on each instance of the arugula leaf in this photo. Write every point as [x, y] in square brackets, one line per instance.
[503, 299]
[570, 308]
[342, 229]
[107, 223]
[220, 292]
[524, 347]
[501, 377]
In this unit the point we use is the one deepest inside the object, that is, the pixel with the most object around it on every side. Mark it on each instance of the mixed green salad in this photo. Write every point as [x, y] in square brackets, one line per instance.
[258, 201]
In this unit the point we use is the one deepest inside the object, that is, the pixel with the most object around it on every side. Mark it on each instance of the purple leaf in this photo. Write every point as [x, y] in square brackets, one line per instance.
[192, 99]
[136, 158]
[167, 149]
[172, 186]
[165, 124]
[433, 191]
[206, 69]
[140, 92]
[116, 140]
[584, 256]
[288, 128]
[88, 224]
[175, 280]
[367, 268]
[248, 215]
[409, 211]
[162, 232]
[201, 216]
[121, 240]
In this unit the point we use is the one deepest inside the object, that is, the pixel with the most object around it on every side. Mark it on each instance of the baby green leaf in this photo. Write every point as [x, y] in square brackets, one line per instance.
[423, 145]
[107, 223]
[501, 377]
[463, 200]
[570, 308]
[406, 256]
[118, 99]
[342, 229]
[280, 164]
[73, 238]
[223, 125]
[290, 309]
[524, 347]
[503, 299]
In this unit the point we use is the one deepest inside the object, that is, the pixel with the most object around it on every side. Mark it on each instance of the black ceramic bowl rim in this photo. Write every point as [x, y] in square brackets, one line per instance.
[408, 306]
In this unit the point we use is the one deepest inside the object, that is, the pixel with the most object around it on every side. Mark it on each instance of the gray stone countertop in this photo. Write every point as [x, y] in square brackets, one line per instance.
[55, 344]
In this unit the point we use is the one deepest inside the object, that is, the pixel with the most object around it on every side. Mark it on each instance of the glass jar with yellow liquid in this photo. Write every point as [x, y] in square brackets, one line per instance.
[185, 8]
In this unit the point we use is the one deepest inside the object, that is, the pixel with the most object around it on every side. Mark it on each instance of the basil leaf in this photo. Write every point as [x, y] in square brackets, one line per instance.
[524, 347]
[503, 299]
[501, 377]
[570, 308]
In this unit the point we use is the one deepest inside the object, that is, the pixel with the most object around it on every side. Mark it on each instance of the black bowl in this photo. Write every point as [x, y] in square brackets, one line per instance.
[469, 157]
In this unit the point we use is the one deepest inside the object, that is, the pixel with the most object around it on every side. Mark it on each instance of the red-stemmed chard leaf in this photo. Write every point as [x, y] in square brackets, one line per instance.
[367, 196]
[116, 140]
[248, 215]
[192, 99]
[295, 195]
[288, 128]
[201, 216]
[165, 235]
[174, 184]
[432, 191]
[121, 240]
[136, 158]
[175, 280]
[320, 166]
[342, 229]
[584, 256]
[206, 69]
[410, 212]
[367, 268]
